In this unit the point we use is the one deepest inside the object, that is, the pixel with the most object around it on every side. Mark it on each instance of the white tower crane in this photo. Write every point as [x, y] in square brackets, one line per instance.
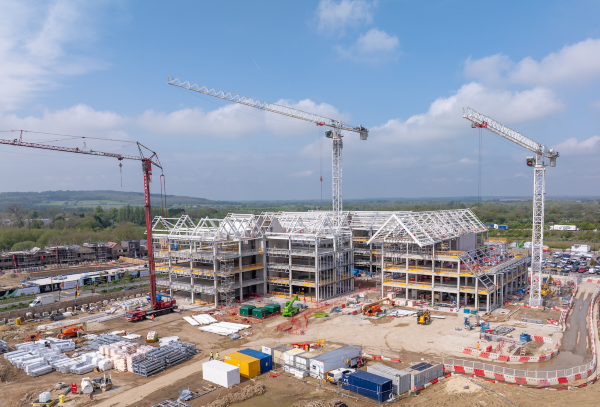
[335, 134]
[539, 191]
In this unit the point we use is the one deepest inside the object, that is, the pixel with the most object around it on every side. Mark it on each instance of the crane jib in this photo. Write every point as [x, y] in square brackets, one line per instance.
[270, 107]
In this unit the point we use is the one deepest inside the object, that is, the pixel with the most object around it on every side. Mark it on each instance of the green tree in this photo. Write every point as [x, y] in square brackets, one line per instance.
[26, 245]
[37, 224]
[33, 214]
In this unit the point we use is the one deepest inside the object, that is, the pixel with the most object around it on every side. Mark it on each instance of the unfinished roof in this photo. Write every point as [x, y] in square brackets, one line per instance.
[366, 220]
[233, 227]
[309, 224]
[426, 228]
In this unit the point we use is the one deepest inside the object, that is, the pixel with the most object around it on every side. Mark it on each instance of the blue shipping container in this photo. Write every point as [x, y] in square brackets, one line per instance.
[266, 360]
[368, 385]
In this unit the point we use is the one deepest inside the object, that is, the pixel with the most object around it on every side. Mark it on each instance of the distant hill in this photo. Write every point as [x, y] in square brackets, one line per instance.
[87, 199]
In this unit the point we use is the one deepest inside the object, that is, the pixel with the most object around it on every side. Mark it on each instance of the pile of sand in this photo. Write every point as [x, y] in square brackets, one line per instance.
[318, 403]
[7, 371]
[246, 393]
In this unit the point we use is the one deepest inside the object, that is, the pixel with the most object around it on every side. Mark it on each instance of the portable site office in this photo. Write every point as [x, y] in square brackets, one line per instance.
[345, 356]
[422, 373]
[401, 379]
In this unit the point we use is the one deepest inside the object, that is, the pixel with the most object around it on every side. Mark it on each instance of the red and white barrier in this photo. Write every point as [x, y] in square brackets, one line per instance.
[508, 358]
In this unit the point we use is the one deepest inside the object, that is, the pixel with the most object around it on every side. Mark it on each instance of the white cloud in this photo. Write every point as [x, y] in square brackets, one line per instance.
[443, 119]
[596, 104]
[301, 174]
[573, 64]
[467, 161]
[373, 47]
[34, 38]
[573, 147]
[335, 17]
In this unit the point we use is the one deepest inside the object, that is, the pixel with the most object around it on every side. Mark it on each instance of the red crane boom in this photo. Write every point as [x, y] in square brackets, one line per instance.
[147, 171]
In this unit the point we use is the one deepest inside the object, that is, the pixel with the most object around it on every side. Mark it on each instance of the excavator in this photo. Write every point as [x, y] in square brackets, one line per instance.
[372, 308]
[545, 288]
[290, 310]
[424, 317]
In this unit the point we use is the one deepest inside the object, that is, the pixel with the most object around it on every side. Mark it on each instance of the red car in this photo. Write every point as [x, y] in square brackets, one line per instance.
[582, 269]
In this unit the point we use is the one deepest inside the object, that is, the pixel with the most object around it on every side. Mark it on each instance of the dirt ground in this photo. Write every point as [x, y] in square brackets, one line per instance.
[401, 334]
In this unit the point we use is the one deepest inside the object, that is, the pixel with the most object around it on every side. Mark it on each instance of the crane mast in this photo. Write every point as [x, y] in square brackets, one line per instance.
[335, 134]
[539, 191]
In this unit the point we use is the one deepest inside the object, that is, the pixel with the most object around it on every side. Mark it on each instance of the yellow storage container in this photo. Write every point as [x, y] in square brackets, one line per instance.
[249, 366]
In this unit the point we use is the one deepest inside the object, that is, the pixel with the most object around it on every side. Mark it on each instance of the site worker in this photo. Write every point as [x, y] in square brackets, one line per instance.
[217, 355]
[478, 345]
[211, 356]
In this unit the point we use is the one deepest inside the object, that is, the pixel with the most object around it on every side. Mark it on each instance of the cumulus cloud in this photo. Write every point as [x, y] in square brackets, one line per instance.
[373, 47]
[573, 147]
[335, 17]
[441, 121]
[573, 64]
[34, 38]
[466, 161]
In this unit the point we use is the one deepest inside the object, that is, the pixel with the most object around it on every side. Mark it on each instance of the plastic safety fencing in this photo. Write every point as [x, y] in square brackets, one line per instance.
[529, 377]
[382, 354]
[509, 358]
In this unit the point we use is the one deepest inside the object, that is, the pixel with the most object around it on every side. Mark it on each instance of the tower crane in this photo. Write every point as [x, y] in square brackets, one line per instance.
[539, 163]
[147, 163]
[335, 134]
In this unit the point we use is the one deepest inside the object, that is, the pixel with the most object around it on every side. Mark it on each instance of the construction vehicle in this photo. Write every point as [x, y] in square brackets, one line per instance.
[106, 383]
[72, 331]
[539, 164]
[161, 307]
[485, 326]
[545, 288]
[423, 317]
[520, 245]
[335, 134]
[290, 310]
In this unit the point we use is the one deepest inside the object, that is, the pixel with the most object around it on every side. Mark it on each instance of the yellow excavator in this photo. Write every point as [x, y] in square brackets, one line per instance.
[423, 317]
[545, 288]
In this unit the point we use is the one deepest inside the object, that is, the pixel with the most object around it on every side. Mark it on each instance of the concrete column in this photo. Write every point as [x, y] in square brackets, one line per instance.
[264, 261]
[215, 268]
[290, 264]
[476, 293]
[488, 302]
[317, 265]
[382, 266]
[495, 289]
[240, 269]
[192, 270]
[370, 253]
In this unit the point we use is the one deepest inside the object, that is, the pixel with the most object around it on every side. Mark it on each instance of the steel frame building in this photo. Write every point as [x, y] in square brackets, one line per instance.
[441, 256]
[436, 255]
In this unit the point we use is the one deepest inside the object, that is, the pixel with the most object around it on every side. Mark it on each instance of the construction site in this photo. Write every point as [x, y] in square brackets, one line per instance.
[318, 308]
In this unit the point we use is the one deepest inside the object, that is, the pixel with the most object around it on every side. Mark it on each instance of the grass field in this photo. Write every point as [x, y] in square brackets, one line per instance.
[84, 204]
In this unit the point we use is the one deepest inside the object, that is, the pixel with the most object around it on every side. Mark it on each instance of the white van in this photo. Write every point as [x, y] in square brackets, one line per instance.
[42, 300]
[334, 376]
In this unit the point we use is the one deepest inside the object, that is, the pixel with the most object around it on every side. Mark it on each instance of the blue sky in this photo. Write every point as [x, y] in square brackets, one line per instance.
[404, 69]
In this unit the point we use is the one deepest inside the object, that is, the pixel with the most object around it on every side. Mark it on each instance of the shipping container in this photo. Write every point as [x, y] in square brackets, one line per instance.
[223, 374]
[368, 385]
[266, 360]
[247, 310]
[249, 366]
[273, 307]
[346, 356]
[423, 373]
[259, 312]
[400, 378]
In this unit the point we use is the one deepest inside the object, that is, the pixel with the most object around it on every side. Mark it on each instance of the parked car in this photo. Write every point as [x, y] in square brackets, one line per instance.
[128, 288]
[581, 270]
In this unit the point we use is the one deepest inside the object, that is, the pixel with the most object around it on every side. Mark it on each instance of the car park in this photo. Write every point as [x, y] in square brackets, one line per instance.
[581, 270]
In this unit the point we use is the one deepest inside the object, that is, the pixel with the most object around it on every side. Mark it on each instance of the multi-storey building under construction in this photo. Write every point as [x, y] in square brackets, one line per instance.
[437, 256]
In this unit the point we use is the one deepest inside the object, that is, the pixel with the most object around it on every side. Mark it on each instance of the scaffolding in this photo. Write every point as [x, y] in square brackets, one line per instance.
[226, 282]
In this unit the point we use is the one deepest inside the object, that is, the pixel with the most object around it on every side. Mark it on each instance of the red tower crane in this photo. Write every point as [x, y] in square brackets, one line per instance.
[147, 163]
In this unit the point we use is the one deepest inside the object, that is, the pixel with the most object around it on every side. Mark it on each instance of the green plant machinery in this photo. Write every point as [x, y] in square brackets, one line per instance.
[290, 310]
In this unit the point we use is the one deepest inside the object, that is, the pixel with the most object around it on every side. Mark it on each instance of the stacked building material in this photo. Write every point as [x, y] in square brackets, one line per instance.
[3, 347]
[36, 359]
[160, 358]
[103, 339]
